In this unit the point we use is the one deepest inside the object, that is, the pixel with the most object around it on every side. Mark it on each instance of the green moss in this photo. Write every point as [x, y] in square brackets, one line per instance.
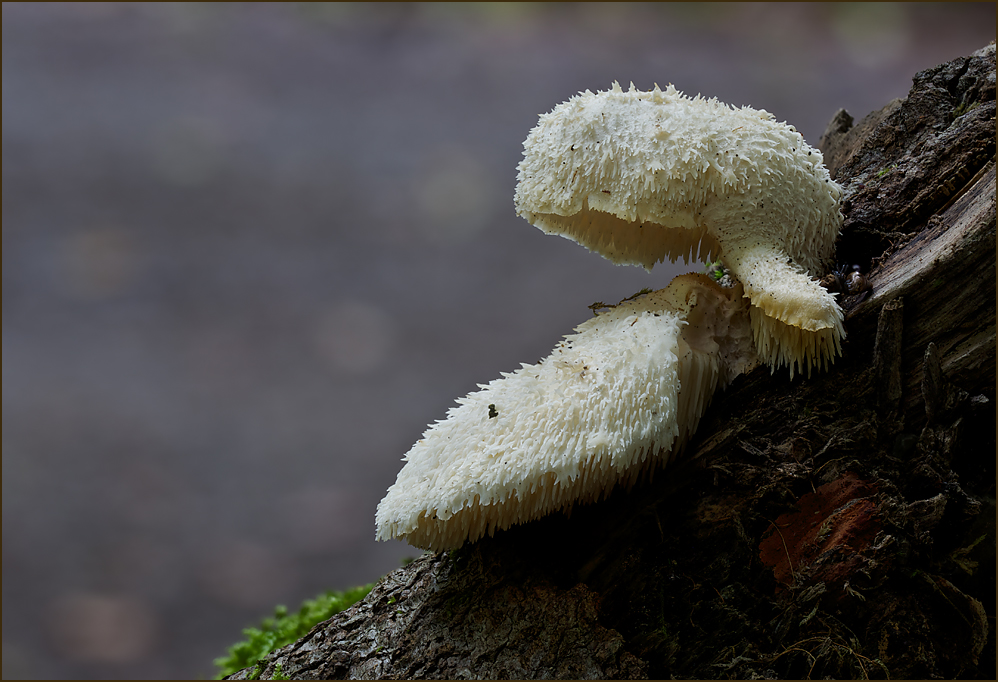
[285, 628]
[964, 109]
[961, 556]
[714, 270]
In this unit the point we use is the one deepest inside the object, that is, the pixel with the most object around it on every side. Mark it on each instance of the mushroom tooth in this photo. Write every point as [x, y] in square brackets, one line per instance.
[781, 344]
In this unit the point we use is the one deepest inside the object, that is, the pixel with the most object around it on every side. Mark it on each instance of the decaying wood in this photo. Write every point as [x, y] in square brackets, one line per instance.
[841, 525]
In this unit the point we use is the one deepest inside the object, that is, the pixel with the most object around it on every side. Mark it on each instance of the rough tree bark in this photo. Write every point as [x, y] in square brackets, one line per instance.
[840, 525]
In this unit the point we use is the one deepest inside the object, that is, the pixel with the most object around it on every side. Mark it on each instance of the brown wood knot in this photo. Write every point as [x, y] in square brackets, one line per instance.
[826, 538]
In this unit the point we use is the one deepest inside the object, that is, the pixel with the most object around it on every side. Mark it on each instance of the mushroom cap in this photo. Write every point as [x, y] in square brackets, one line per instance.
[643, 176]
[611, 401]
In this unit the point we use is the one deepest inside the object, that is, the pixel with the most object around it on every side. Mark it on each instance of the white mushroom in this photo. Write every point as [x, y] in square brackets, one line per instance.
[637, 177]
[643, 176]
[618, 398]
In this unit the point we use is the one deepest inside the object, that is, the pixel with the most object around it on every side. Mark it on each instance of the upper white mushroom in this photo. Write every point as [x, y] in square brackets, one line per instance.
[641, 177]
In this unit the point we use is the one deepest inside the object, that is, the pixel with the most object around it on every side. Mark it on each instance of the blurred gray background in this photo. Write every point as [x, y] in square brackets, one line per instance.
[250, 252]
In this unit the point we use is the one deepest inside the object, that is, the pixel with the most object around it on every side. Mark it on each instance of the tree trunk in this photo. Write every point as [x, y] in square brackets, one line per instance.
[841, 525]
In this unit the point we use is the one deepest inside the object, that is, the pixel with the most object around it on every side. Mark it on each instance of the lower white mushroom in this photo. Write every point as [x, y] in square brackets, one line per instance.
[618, 398]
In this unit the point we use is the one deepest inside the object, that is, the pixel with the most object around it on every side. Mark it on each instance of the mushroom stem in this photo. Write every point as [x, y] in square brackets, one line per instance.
[796, 322]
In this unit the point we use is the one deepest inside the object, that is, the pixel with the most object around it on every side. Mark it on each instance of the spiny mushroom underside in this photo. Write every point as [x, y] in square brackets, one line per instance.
[611, 403]
[716, 338]
[783, 345]
[624, 242]
[796, 322]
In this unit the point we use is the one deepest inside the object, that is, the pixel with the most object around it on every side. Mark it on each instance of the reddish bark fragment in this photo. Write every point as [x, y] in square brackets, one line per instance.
[825, 539]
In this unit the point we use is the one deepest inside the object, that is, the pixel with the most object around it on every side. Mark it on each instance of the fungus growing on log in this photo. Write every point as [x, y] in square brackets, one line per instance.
[637, 177]
[640, 177]
[614, 400]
